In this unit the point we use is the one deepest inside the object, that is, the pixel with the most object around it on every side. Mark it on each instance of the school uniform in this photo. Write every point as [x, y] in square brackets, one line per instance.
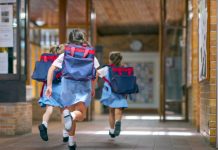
[109, 98]
[74, 91]
[54, 100]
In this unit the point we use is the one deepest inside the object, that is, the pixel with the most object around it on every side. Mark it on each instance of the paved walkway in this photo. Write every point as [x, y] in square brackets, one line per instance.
[139, 133]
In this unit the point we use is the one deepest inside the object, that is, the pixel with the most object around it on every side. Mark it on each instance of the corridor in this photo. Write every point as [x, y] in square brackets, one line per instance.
[170, 45]
[139, 133]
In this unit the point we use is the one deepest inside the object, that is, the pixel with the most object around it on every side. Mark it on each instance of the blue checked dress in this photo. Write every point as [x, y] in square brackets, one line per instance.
[75, 91]
[54, 100]
[111, 99]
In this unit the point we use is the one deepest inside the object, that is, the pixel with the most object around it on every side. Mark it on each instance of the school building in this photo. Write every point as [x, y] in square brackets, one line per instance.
[172, 45]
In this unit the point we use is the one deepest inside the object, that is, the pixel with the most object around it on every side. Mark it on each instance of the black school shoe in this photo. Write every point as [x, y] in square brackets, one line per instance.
[117, 128]
[43, 132]
[65, 139]
[112, 135]
[72, 147]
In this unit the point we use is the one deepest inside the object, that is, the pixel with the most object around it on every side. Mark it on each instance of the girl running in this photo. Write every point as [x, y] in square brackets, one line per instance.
[75, 94]
[115, 102]
[53, 101]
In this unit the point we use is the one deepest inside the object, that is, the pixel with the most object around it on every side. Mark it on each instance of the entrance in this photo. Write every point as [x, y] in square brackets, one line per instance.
[173, 55]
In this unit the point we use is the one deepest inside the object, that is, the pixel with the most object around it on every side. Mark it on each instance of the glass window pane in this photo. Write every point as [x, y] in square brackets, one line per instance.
[23, 35]
[8, 39]
[174, 102]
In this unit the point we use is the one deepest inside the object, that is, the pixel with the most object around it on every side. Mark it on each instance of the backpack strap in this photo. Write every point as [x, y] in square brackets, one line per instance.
[106, 80]
[72, 51]
[86, 53]
[84, 50]
[58, 75]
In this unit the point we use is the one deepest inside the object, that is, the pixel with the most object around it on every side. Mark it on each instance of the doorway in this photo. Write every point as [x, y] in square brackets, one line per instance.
[173, 56]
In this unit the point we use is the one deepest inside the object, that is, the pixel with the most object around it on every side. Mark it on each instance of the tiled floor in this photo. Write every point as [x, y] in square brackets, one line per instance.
[139, 133]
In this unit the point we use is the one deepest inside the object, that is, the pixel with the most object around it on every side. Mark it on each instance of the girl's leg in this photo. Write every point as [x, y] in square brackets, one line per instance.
[118, 114]
[111, 117]
[111, 122]
[118, 117]
[73, 129]
[46, 115]
[78, 112]
[43, 127]
[72, 137]
[65, 132]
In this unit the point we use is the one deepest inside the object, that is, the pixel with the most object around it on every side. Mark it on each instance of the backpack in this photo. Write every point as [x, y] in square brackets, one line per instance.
[78, 63]
[122, 80]
[41, 68]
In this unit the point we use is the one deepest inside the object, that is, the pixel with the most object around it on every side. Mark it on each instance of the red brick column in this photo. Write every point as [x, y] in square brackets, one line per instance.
[204, 93]
[195, 80]
[15, 118]
[212, 82]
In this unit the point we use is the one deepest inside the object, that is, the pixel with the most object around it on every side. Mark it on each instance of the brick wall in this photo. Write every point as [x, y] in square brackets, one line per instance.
[195, 83]
[211, 104]
[204, 93]
[15, 118]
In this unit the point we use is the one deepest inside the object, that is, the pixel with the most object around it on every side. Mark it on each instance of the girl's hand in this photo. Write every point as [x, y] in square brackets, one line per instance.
[93, 92]
[48, 92]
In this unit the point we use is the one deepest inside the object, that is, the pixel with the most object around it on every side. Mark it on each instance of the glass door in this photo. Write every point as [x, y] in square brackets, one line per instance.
[174, 75]
[173, 51]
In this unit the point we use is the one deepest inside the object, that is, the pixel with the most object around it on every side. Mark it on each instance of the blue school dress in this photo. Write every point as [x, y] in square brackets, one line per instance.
[75, 91]
[111, 99]
[54, 100]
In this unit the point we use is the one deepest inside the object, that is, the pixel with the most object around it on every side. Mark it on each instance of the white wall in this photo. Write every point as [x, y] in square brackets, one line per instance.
[137, 57]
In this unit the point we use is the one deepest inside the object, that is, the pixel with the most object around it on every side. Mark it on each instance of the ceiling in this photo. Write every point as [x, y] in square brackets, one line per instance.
[47, 10]
[113, 16]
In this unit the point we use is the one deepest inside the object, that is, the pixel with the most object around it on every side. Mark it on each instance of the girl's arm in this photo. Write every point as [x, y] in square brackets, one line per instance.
[49, 81]
[94, 84]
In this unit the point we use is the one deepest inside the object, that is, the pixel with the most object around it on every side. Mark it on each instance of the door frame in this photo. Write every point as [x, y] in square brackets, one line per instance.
[216, 80]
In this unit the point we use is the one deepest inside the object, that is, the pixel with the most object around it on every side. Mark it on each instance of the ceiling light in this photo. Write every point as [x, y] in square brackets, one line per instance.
[93, 15]
[22, 15]
[40, 22]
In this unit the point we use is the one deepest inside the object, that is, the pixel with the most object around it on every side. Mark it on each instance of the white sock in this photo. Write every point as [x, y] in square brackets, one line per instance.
[73, 115]
[111, 131]
[71, 140]
[65, 133]
[45, 124]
